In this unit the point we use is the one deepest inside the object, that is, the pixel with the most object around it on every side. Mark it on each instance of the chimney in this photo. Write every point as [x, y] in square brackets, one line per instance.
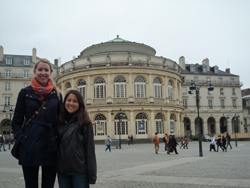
[1, 53]
[56, 62]
[206, 62]
[33, 55]
[182, 62]
[228, 70]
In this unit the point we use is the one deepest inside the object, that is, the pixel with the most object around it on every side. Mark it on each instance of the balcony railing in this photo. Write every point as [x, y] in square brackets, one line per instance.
[214, 82]
[15, 75]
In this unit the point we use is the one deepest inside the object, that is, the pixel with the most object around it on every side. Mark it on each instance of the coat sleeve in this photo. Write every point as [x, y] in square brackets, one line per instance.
[18, 119]
[91, 158]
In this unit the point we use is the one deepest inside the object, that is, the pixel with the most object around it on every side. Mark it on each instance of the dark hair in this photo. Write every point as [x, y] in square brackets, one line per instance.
[82, 113]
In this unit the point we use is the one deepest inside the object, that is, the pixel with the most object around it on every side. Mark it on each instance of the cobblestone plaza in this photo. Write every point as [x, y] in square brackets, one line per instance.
[138, 166]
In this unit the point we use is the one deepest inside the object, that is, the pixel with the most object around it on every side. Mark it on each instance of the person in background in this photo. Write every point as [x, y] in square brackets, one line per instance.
[108, 143]
[218, 143]
[228, 137]
[182, 143]
[2, 142]
[166, 141]
[38, 140]
[76, 160]
[156, 141]
[129, 140]
[212, 144]
[224, 141]
[185, 142]
[132, 139]
[173, 145]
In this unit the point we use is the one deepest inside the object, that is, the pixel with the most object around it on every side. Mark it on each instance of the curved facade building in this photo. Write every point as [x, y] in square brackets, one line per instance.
[122, 76]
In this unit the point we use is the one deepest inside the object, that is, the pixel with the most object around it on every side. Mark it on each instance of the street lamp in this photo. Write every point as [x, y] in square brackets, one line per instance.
[121, 115]
[4, 111]
[197, 90]
[236, 127]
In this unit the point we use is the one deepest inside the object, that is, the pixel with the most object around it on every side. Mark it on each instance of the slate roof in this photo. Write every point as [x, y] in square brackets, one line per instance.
[198, 71]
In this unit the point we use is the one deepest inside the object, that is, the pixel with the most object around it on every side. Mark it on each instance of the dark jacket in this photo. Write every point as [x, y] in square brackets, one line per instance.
[173, 143]
[218, 141]
[36, 148]
[76, 153]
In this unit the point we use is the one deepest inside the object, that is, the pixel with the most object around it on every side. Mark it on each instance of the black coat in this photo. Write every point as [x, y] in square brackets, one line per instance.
[76, 153]
[36, 149]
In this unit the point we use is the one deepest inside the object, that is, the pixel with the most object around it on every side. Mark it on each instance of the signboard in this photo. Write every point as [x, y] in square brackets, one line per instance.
[100, 129]
[141, 127]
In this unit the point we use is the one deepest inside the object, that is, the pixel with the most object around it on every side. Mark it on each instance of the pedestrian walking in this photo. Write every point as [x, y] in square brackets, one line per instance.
[228, 137]
[212, 144]
[224, 141]
[182, 143]
[166, 139]
[2, 142]
[108, 143]
[132, 139]
[76, 160]
[38, 107]
[219, 143]
[185, 142]
[156, 141]
[173, 145]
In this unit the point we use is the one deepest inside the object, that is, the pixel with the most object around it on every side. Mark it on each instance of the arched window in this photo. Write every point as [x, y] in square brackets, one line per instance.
[140, 87]
[159, 123]
[141, 124]
[81, 87]
[99, 88]
[172, 119]
[68, 87]
[157, 88]
[123, 129]
[170, 89]
[120, 87]
[100, 127]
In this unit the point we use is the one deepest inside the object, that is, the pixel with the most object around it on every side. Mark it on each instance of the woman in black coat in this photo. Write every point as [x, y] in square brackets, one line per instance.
[38, 143]
[219, 144]
[173, 145]
[76, 161]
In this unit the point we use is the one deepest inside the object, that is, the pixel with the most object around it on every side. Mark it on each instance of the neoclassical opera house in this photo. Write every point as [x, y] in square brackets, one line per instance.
[123, 81]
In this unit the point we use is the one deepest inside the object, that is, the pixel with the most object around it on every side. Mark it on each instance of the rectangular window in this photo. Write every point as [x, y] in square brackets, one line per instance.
[221, 91]
[7, 86]
[8, 60]
[222, 103]
[185, 102]
[208, 80]
[220, 80]
[233, 91]
[26, 74]
[232, 81]
[210, 102]
[6, 100]
[234, 102]
[8, 73]
[196, 80]
[183, 79]
[248, 110]
[26, 61]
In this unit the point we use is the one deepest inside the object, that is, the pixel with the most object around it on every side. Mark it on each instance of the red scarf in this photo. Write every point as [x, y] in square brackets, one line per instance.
[40, 90]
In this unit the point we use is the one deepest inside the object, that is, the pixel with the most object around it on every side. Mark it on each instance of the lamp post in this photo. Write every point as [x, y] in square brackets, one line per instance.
[235, 128]
[197, 90]
[4, 111]
[121, 115]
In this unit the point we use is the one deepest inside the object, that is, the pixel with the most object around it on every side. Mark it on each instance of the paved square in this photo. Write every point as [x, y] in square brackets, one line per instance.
[138, 166]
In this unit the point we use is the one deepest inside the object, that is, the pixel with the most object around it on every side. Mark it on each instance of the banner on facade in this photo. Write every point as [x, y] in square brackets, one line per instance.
[141, 127]
[100, 129]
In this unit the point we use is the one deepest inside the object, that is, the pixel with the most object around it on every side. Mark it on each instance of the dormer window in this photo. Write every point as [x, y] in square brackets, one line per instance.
[8, 61]
[192, 68]
[26, 61]
[204, 68]
[216, 69]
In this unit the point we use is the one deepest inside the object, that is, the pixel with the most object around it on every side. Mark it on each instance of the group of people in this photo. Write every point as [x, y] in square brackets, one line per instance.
[222, 142]
[54, 134]
[170, 143]
[130, 140]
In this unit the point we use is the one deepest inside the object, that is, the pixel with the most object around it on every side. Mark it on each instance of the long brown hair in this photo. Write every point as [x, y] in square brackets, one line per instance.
[82, 113]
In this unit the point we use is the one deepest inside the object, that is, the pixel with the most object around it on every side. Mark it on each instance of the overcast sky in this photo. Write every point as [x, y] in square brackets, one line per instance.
[196, 29]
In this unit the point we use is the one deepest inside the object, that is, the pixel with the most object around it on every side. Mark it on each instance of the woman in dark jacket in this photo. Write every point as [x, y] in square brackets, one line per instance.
[38, 144]
[173, 145]
[224, 141]
[76, 161]
[219, 144]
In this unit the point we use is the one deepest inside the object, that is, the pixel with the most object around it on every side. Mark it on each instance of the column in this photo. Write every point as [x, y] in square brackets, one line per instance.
[178, 125]
[62, 89]
[229, 127]
[89, 92]
[73, 84]
[131, 98]
[205, 128]
[217, 126]
[193, 127]
[167, 123]
[110, 124]
[132, 124]
[152, 124]
[109, 97]
[176, 90]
